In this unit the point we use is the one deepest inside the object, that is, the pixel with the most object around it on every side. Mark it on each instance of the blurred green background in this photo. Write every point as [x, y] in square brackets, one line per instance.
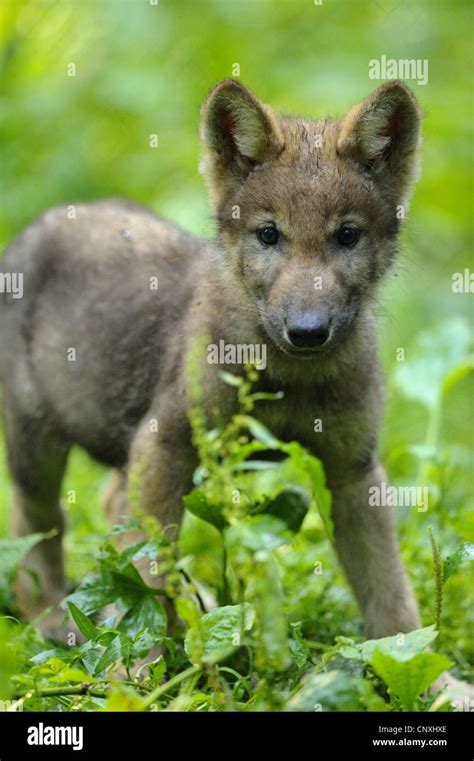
[145, 69]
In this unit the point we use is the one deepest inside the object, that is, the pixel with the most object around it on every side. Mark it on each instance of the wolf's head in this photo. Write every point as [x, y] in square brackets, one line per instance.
[308, 211]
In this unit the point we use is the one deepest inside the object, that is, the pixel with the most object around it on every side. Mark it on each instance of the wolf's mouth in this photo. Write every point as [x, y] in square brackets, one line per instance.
[299, 353]
[292, 351]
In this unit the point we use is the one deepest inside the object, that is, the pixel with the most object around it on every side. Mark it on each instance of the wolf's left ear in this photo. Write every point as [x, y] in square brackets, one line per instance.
[383, 134]
[238, 132]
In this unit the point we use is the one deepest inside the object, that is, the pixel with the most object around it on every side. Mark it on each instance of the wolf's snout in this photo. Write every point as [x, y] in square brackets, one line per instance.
[308, 331]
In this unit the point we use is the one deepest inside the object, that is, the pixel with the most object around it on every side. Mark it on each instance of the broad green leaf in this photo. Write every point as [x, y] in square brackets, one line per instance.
[109, 586]
[147, 613]
[331, 691]
[94, 592]
[433, 359]
[210, 509]
[283, 490]
[290, 505]
[408, 679]
[219, 632]
[401, 647]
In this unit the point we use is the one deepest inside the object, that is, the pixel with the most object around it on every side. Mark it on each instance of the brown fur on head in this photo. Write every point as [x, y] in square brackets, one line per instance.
[308, 179]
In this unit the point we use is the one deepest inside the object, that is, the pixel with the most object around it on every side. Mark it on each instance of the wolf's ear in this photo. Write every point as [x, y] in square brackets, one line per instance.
[238, 132]
[383, 134]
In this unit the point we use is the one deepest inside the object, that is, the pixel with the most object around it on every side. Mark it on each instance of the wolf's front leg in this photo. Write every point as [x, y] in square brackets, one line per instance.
[159, 474]
[367, 545]
[161, 464]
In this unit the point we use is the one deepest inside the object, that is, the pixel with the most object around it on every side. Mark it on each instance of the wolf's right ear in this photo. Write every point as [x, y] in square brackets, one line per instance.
[383, 134]
[238, 132]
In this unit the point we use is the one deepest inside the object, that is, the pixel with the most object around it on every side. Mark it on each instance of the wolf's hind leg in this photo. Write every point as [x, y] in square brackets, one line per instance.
[37, 456]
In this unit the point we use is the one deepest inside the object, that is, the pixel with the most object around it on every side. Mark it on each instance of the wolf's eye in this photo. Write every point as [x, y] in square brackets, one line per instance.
[348, 236]
[268, 235]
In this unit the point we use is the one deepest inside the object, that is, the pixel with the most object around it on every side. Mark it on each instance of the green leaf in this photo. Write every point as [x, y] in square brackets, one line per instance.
[118, 648]
[401, 647]
[333, 691]
[107, 586]
[70, 674]
[134, 552]
[435, 360]
[94, 592]
[313, 467]
[261, 532]
[260, 396]
[219, 632]
[299, 648]
[408, 679]
[201, 504]
[84, 623]
[463, 553]
[123, 699]
[457, 375]
[147, 613]
[12, 551]
[259, 431]
[230, 379]
[290, 505]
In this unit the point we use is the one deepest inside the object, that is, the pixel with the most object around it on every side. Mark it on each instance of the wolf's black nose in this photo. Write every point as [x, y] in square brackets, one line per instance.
[308, 332]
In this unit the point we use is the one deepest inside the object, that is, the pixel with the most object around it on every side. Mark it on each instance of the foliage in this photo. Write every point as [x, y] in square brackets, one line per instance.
[248, 608]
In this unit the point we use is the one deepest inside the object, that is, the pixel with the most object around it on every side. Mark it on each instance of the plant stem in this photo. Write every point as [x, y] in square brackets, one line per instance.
[319, 646]
[78, 689]
[163, 688]
[438, 575]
